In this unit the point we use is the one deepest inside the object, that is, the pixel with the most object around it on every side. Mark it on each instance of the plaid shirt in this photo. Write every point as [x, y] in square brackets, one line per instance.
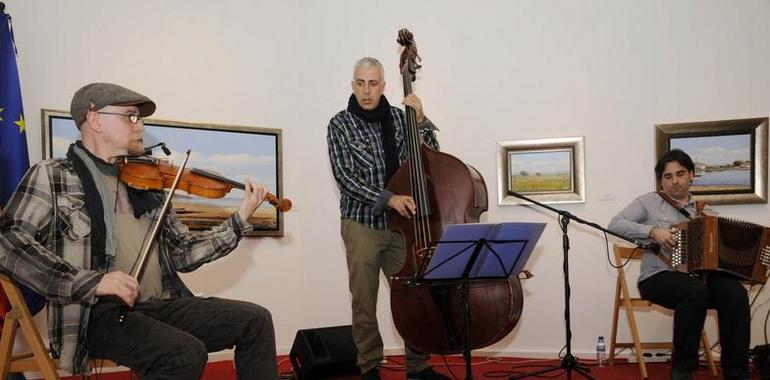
[358, 163]
[45, 244]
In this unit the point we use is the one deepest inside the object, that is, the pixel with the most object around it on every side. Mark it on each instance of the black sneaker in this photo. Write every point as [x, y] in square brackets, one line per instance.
[372, 374]
[426, 374]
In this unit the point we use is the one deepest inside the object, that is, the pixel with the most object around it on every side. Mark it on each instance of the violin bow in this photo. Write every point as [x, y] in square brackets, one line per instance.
[141, 262]
[136, 272]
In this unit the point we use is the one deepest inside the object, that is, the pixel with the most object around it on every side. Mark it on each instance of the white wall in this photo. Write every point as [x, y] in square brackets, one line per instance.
[496, 70]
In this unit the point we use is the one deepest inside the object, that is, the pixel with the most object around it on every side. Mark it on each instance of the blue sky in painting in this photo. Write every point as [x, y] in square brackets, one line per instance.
[543, 162]
[63, 133]
[715, 150]
[234, 155]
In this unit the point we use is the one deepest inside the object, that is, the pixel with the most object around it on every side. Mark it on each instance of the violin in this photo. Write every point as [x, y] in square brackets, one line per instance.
[150, 173]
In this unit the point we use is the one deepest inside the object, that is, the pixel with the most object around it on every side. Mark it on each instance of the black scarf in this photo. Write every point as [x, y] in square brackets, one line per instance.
[143, 201]
[382, 115]
[93, 207]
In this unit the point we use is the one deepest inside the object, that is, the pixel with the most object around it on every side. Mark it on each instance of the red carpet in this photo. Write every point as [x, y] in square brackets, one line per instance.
[483, 368]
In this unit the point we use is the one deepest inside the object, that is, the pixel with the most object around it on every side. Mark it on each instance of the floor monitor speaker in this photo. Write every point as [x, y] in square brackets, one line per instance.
[324, 352]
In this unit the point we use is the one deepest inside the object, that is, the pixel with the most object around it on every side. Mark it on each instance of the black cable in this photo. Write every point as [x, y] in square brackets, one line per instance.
[559, 355]
[759, 291]
[500, 373]
[607, 249]
[514, 372]
[443, 357]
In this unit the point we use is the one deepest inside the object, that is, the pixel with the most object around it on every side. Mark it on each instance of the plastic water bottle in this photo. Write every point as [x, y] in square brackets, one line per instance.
[601, 352]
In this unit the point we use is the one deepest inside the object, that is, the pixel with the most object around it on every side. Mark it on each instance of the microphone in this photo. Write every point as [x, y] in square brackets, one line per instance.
[655, 247]
[162, 145]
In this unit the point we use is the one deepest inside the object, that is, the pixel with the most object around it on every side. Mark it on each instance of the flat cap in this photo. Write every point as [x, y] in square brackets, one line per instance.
[95, 96]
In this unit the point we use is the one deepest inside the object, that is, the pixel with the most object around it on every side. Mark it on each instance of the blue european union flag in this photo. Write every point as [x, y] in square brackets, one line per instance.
[14, 158]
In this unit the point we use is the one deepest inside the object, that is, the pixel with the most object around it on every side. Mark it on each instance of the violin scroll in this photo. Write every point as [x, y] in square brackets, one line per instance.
[282, 205]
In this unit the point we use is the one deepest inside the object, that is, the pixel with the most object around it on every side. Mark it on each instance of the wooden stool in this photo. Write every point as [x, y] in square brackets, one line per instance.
[39, 360]
[623, 299]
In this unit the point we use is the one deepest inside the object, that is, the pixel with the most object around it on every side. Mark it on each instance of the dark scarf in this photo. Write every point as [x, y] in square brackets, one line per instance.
[382, 115]
[93, 207]
[141, 201]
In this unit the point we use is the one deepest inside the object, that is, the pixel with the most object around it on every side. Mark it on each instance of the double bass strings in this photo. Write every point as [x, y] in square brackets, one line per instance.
[421, 223]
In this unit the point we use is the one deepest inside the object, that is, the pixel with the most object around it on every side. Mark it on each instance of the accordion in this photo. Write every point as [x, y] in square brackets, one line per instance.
[710, 242]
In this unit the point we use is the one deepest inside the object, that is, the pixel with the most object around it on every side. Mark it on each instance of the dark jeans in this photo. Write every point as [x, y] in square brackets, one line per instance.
[169, 339]
[690, 297]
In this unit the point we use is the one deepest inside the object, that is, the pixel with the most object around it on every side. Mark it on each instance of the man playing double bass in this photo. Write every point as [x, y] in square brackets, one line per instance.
[366, 146]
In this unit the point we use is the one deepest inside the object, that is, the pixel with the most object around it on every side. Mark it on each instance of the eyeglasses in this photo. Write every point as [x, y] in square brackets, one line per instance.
[132, 117]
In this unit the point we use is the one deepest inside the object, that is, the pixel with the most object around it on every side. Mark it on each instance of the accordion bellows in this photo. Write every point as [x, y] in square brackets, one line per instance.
[711, 242]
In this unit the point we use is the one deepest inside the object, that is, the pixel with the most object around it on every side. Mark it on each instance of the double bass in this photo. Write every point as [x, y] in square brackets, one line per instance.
[446, 191]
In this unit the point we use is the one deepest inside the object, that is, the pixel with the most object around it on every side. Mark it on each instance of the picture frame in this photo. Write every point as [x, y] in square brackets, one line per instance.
[730, 157]
[550, 170]
[233, 152]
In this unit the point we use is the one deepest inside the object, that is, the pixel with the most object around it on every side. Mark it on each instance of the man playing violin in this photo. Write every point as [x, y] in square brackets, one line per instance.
[366, 145]
[72, 232]
[650, 216]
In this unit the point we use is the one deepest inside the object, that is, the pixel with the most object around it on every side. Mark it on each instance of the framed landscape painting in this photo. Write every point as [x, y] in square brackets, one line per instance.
[234, 152]
[544, 170]
[730, 157]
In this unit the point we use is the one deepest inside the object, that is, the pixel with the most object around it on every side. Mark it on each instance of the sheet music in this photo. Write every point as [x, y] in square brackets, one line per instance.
[511, 245]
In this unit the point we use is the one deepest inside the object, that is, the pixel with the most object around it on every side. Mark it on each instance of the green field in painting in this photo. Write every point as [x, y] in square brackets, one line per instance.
[542, 183]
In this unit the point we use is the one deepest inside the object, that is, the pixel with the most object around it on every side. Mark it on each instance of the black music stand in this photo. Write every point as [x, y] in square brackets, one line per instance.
[468, 253]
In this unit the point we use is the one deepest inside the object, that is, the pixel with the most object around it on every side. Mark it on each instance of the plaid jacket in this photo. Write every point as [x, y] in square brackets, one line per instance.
[358, 163]
[45, 244]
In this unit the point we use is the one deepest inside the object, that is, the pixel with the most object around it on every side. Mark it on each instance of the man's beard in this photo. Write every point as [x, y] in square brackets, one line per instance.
[136, 147]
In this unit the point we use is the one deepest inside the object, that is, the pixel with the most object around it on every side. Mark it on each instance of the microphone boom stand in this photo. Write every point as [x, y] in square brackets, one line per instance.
[569, 363]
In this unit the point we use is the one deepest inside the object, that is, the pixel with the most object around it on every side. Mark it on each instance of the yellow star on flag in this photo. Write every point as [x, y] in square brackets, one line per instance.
[1, 111]
[20, 123]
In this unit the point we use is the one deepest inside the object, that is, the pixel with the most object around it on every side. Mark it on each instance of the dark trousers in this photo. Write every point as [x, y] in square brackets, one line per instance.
[170, 339]
[690, 297]
[368, 252]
